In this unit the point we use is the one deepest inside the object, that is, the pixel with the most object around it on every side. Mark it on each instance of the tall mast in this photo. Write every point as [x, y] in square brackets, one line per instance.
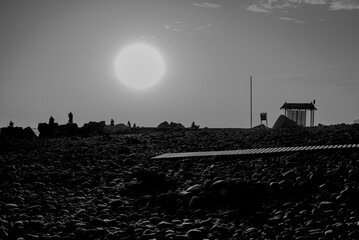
[251, 100]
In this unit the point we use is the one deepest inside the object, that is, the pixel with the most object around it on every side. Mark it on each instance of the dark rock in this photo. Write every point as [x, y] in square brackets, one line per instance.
[172, 125]
[152, 182]
[165, 225]
[164, 124]
[32, 236]
[47, 130]
[220, 231]
[115, 203]
[218, 186]
[66, 130]
[261, 126]
[117, 129]
[176, 125]
[195, 233]
[29, 133]
[123, 150]
[16, 132]
[98, 222]
[289, 174]
[168, 201]
[194, 188]
[93, 128]
[154, 220]
[195, 202]
[284, 122]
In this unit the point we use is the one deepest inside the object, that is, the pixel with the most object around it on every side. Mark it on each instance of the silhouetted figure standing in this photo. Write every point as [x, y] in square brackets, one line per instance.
[129, 124]
[194, 126]
[51, 121]
[134, 125]
[11, 124]
[112, 122]
[70, 118]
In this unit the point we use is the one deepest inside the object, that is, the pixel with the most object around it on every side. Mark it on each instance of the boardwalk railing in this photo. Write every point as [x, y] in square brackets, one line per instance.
[256, 151]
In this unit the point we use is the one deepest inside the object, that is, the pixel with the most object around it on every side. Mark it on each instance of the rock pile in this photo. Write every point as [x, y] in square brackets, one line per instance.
[284, 122]
[17, 132]
[106, 187]
[172, 125]
[116, 129]
[88, 129]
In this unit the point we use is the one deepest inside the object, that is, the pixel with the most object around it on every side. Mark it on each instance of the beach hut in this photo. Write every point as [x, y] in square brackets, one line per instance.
[298, 112]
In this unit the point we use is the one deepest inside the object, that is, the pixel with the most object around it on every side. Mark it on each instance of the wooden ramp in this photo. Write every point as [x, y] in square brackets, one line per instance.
[257, 151]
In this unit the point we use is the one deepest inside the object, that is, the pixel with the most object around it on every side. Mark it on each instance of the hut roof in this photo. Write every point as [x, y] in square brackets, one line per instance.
[306, 106]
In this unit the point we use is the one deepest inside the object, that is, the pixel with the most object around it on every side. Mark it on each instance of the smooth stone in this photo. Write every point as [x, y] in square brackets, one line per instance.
[32, 237]
[195, 233]
[207, 222]
[11, 205]
[81, 211]
[154, 220]
[194, 202]
[181, 237]
[98, 222]
[194, 189]
[35, 224]
[114, 203]
[329, 233]
[251, 230]
[326, 204]
[170, 235]
[168, 200]
[223, 231]
[289, 174]
[165, 224]
[218, 185]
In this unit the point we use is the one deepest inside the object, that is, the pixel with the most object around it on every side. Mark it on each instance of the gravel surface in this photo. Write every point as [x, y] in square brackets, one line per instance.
[107, 187]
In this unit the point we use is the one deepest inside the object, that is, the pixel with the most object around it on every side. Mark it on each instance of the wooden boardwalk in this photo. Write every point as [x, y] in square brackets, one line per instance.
[258, 151]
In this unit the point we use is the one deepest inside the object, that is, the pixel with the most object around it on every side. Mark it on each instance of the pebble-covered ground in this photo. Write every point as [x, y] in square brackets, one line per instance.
[107, 187]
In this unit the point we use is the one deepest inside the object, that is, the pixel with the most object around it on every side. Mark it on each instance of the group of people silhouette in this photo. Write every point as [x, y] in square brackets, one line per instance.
[112, 122]
[70, 121]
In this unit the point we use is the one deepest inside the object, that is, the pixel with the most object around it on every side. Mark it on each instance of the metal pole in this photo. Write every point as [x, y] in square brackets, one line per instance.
[251, 99]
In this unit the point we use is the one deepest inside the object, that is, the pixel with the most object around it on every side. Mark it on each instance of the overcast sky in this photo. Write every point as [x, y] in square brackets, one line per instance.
[58, 56]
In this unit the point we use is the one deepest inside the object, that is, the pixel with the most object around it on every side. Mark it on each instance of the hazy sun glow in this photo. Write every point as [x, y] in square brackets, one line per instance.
[139, 66]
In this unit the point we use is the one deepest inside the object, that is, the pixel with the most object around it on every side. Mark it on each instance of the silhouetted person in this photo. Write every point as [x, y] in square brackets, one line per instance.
[70, 118]
[194, 126]
[11, 124]
[51, 120]
[134, 125]
[112, 122]
[129, 124]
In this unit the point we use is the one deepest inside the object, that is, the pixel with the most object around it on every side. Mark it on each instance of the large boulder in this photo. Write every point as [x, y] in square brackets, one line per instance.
[176, 125]
[69, 129]
[47, 130]
[165, 124]
[11, 132]
[29, 133]
[93, 128]
[261, 126]
[117, 129]
[284, 122]
[17, 132]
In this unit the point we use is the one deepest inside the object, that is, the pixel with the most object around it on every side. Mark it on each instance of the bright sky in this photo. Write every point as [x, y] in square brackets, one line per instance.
[58, 56]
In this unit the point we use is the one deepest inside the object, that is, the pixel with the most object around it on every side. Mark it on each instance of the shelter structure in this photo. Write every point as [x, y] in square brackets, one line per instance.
[298, 112]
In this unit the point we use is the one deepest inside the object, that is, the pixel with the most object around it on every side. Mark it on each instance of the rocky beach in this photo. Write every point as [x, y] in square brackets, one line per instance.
[108, 187]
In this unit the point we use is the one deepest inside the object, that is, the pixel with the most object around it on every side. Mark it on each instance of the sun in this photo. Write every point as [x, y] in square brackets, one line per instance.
[139, 66]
